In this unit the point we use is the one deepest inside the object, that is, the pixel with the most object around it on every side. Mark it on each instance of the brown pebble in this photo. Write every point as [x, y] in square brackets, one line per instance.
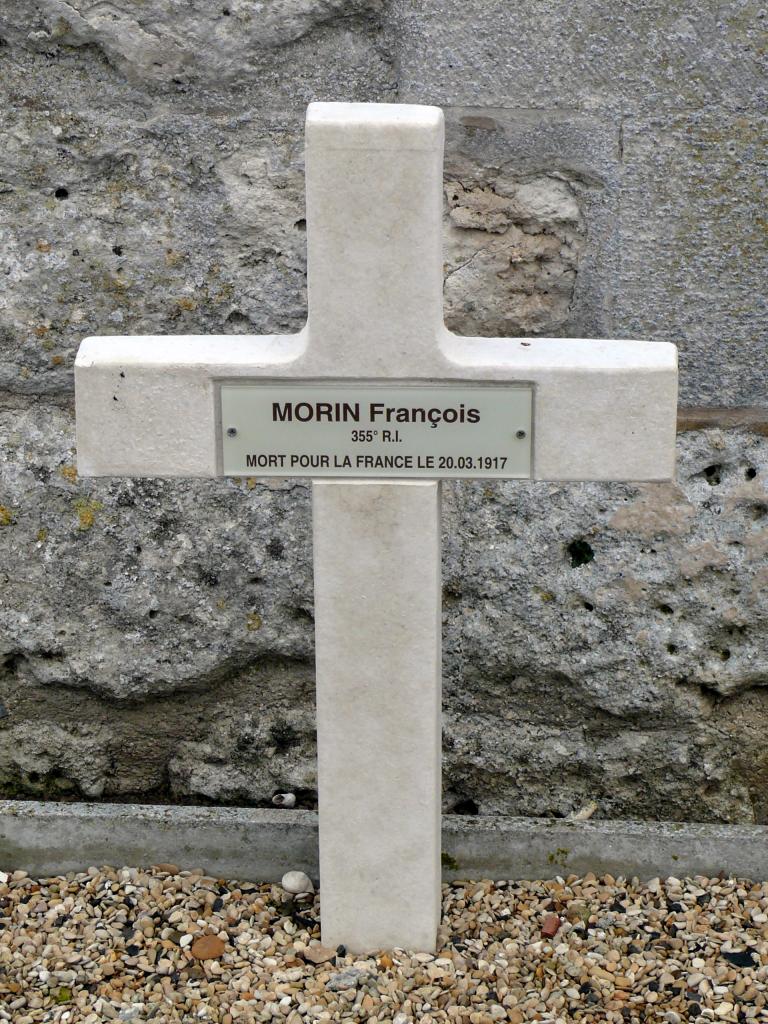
[319, 954]
[550, 926]
[171, 869]
[207, 947]
[577, 911]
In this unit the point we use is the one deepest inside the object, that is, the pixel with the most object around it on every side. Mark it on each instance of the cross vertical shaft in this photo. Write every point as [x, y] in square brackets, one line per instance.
[374, 249]
[378, 665]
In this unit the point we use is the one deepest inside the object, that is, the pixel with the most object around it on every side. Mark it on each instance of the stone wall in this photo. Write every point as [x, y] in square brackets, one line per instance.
[605, 176]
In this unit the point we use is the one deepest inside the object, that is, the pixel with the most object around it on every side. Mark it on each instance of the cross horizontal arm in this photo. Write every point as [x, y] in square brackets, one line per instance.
[146, 406]
[603, 410]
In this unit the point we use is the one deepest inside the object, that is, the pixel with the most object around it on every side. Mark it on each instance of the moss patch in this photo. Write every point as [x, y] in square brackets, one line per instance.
[449, 862]
[559, 857]
[86, 510]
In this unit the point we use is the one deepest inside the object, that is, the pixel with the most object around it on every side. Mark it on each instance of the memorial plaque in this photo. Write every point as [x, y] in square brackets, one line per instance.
[420, 431]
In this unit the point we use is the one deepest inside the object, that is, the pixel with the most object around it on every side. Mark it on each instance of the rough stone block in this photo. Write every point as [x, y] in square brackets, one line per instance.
[602, 642]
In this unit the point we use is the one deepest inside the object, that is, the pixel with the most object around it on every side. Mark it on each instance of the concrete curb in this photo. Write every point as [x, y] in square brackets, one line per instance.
[260, 845]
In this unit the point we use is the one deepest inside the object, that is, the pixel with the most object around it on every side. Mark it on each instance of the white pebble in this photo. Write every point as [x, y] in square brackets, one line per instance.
[284, 799]
[297, 882]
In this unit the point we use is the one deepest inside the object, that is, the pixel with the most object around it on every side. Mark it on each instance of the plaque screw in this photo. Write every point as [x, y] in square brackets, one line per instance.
[521, 434]
[231, 431]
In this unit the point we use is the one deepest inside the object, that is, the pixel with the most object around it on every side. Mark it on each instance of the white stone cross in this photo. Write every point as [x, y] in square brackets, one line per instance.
[603, 410]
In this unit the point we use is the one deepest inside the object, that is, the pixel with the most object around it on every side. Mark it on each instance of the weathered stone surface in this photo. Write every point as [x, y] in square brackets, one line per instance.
[151, 177]
[683, 93]
[197, 226]
[525, 235]
[605, 175]
[531, 204]
[663, 55]
[608, 642]
[211, 44]
[602, 642]
[116, 591]
[165, 227]
[695, 245]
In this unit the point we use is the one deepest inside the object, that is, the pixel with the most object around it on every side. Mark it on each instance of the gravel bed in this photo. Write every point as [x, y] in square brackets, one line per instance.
[168, 945]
